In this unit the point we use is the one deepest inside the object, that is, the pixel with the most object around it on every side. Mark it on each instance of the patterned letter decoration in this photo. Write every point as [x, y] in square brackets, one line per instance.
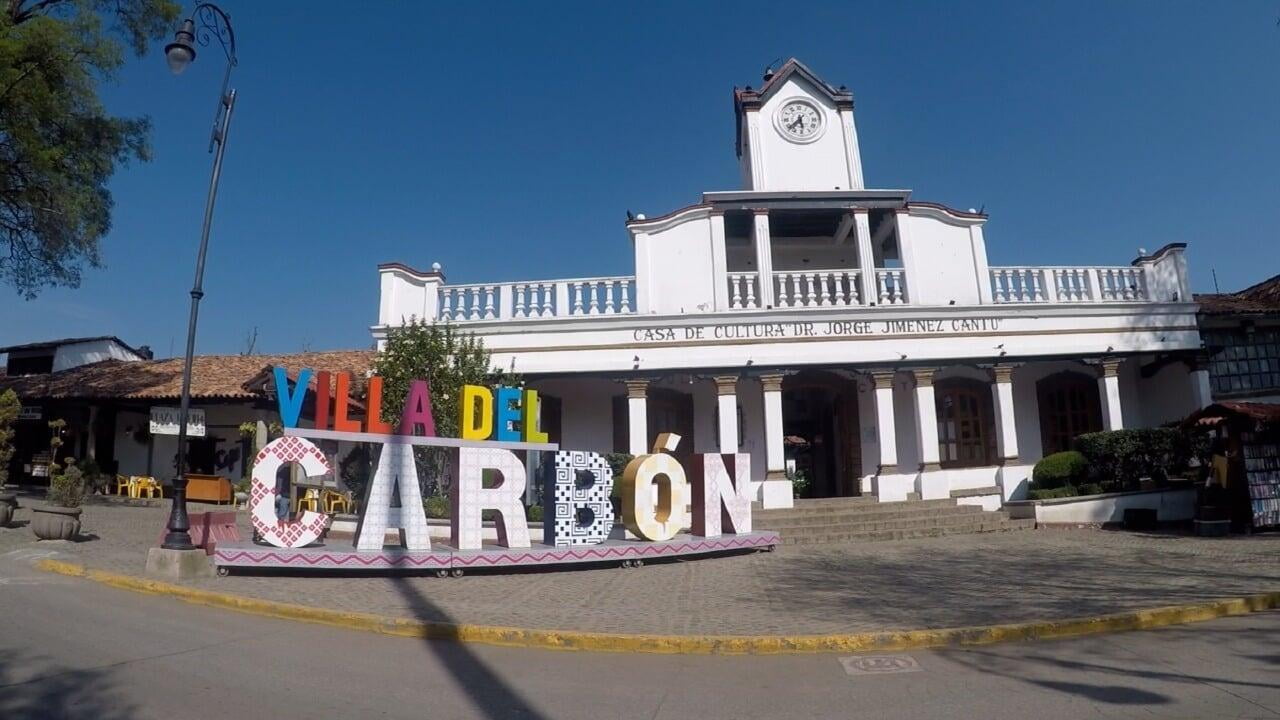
[469, 497]
[576, 494]
[651, 508]
[396, 463]
[262, 496]
[721, 497]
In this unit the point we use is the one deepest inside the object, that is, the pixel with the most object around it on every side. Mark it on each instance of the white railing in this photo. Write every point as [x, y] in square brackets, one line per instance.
[816, 288]
[1018, 285]
[1067, 284]
[891, 286]
[744, 290]
[538, 299]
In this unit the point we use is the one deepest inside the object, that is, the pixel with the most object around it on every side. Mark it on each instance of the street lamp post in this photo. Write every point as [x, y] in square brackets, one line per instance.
[214, 23]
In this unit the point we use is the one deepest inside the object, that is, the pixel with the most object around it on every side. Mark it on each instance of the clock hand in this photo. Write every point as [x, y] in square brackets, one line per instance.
[793, 125]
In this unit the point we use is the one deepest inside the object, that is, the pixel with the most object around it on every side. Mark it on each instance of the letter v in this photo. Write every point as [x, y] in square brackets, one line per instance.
[291, 404]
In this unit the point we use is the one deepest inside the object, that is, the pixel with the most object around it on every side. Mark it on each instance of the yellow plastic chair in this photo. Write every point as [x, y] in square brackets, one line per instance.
[149, 486]
[310, 500]
[333, 501]
[124, 485]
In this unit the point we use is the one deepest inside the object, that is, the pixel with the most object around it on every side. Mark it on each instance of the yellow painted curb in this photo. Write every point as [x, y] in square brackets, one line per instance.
[685, 644]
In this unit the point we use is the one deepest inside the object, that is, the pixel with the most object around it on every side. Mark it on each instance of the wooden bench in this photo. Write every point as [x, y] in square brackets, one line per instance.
[209, 488]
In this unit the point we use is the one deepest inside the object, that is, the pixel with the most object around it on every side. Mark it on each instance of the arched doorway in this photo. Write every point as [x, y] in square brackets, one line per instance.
[820, 432]
[1069, 406]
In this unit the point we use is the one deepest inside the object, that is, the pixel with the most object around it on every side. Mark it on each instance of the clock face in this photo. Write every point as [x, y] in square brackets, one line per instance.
[799, 121]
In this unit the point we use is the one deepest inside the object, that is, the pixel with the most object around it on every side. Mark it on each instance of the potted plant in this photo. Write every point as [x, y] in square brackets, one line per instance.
[59, 519]
[9, 408]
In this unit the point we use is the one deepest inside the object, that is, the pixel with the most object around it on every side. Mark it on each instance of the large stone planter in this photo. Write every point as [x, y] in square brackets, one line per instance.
[8, 505]
[51, 522]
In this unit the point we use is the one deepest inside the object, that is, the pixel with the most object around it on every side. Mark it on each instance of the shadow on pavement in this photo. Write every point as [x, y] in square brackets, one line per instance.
[490, 694]
[56, 693]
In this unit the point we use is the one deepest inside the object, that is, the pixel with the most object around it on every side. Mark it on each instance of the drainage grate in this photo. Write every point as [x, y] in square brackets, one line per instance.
[879, 664]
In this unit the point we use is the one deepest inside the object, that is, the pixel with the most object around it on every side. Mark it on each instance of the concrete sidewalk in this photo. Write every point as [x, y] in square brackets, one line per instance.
[931, 583]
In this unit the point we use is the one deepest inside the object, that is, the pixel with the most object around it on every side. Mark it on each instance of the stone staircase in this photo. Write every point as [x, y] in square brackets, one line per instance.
[864, 519]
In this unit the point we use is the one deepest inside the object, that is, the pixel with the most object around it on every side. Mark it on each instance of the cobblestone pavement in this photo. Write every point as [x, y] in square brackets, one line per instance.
[932, 583]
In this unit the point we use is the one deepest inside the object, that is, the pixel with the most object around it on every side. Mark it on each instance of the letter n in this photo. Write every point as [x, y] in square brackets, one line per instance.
[721, 497]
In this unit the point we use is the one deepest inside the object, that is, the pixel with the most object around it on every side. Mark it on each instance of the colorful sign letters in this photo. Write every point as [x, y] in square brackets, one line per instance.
[659, 499]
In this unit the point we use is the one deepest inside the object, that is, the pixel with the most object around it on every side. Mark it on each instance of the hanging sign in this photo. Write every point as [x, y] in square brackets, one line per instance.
[30, 412]
[164, 421]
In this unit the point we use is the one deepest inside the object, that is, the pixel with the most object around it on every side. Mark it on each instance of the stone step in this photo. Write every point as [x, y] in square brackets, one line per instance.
[909, 534]
[975, 492]
[919, 521]
[775, 522]
[846, 509]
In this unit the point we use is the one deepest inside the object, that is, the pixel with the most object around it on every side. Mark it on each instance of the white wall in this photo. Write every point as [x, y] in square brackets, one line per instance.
[586, 411]
[83, 353]
[942, 259]
[1166, 396]
[675, 266]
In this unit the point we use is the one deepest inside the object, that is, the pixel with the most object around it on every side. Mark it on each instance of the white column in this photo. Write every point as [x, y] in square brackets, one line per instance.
[727, 404]
[926, 419]
[719, 263]
[866, 257]
[886, 434]
[1201, 390]
[637, 417]
[764, 256]
[776, 490]
[1109, 394]
[1002, 401]
[91, 443]
[775, 456]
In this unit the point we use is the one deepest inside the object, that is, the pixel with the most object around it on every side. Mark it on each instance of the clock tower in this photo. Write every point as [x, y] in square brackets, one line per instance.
[797, 133]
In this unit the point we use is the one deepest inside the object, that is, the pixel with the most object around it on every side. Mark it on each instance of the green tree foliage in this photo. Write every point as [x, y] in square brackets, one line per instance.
[9, 409]
[447, 358]
[58, 145]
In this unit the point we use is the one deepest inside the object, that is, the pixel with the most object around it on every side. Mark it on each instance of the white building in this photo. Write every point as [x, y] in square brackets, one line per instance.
[856, 336]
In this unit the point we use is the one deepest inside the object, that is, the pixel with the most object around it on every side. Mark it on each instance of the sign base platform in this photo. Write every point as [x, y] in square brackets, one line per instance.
[446, 560]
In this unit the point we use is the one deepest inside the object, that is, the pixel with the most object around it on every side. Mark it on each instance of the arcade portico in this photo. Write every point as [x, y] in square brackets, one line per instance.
[852, 336]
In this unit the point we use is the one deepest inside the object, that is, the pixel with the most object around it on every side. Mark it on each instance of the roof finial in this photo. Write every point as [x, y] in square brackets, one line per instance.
[768, 70]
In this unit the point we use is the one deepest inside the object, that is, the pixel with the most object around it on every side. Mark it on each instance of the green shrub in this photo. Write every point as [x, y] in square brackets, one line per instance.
[1050, 493]
[1091, 489]
[67, 489]
[437, 507]
[1059, 469]
[1119, 458]
[534, 513]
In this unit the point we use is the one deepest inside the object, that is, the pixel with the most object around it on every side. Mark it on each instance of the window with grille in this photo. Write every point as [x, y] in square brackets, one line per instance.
[1245, 362]
[966, 426]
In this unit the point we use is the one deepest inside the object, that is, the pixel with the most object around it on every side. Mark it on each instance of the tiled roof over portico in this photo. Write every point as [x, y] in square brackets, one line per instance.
[228, 377]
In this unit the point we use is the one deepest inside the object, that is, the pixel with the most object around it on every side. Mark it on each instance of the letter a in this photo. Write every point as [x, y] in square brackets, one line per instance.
[395, 464]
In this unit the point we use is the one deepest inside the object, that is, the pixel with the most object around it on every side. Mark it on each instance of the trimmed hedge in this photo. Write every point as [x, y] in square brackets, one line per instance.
[1118, 459]
[1059, 470]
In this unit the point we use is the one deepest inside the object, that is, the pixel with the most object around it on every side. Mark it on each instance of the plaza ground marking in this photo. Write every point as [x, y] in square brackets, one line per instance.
[879, 664]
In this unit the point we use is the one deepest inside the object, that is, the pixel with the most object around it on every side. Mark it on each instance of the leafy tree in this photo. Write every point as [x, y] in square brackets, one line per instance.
[58, 145]
[447, 358]
[9, 409]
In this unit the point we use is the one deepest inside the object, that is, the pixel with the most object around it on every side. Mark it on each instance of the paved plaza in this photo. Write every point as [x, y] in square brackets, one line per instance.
[931, 583]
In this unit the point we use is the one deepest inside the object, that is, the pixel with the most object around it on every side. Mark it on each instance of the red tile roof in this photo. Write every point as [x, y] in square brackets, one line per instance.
[212, 376]
[1261, 298]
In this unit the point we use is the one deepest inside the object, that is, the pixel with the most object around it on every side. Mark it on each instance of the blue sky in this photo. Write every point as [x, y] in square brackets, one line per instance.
[507, 140]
